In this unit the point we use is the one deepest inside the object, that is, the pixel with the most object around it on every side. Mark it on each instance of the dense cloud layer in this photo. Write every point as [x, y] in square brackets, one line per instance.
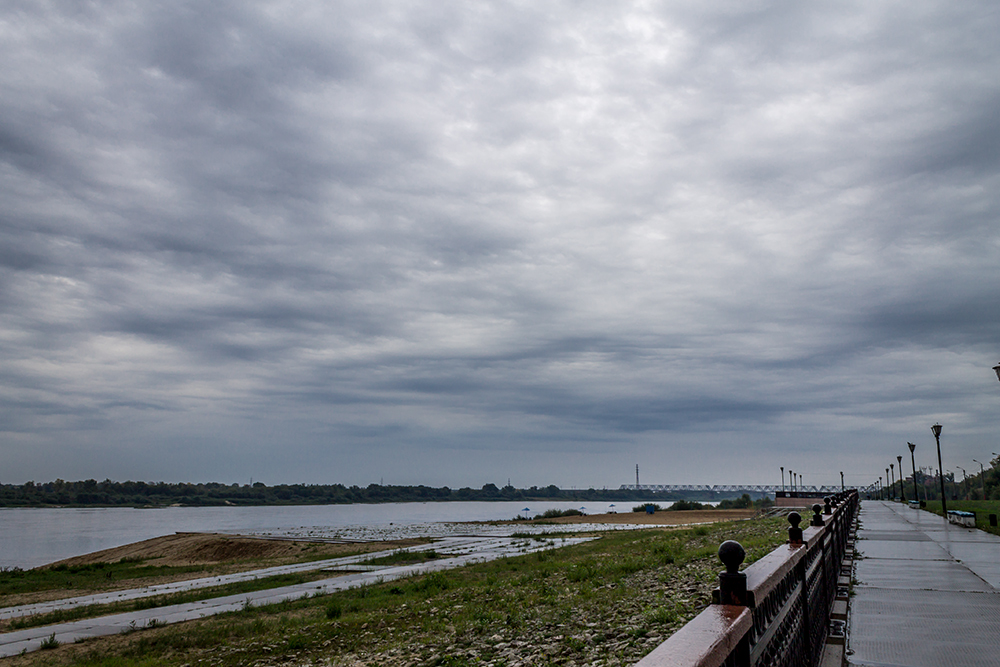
[457, 243]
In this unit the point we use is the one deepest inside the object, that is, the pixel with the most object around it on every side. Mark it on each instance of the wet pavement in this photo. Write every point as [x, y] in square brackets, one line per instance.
[927, 592]
[351, 572]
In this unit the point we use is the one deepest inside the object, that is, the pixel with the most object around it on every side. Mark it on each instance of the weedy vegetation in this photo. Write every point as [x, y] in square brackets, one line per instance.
[609, 601]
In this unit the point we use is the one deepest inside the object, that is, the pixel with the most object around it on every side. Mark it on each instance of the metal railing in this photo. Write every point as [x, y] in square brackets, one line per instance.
[776, 612]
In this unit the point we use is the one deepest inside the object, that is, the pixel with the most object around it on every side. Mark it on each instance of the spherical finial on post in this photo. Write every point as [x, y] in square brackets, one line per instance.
[732, 582]
[794, 532]
[817, 519]
[732, 554]
[827, 505]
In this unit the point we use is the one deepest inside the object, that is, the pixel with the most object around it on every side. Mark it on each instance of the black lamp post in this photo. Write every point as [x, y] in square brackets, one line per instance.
[888, 488]
[936, 430]
[791, 479]
[892, 481]
[982, 476]
[916, 495]
[842, 480]
[902, 494]
[996, 369]
[782, 479]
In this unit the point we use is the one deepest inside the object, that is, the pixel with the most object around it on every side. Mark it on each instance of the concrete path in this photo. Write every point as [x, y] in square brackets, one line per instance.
[454, 552]
[927, 592]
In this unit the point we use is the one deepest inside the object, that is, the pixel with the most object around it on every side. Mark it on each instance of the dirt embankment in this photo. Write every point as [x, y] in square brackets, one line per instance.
[236, 550]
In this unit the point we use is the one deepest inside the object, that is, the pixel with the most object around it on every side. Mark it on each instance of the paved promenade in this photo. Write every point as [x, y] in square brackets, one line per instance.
[928, 592]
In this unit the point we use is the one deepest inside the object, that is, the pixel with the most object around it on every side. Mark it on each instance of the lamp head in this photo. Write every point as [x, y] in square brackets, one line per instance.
[911, 446]
[996, 369]
[936, 430]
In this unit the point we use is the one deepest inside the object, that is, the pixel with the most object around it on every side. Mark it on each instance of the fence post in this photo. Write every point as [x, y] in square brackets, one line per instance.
[732, 582]
[794, 532]
[817, 519]
[733, 591]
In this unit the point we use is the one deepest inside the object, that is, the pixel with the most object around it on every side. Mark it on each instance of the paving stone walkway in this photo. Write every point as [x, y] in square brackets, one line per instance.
[927, 592]
[350, 572]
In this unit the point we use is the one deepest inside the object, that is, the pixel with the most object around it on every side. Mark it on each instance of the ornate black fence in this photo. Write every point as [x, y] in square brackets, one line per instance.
[776, 612]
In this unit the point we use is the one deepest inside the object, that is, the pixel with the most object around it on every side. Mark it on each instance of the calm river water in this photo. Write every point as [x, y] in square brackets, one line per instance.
[32, 537]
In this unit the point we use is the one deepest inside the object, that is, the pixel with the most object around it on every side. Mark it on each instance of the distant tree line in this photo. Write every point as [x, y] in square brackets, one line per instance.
[983, 484]
[91, 493]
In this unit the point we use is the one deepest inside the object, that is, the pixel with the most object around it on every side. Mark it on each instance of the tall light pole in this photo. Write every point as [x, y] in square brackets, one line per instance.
[892, 481]
[842, 481]
[965, 482]
[887, 482]
[782, 479]
[936, 430]
[881, 488]
[902, 494]
[916, 495]
[791, 479]
[982, 476]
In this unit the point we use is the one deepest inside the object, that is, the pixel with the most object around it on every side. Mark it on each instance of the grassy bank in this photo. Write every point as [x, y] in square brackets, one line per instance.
[154, 602]
[982, 508]
[607, 602]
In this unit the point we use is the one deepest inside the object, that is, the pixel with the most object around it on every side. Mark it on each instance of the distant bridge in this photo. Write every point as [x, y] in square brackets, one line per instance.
[730, 488]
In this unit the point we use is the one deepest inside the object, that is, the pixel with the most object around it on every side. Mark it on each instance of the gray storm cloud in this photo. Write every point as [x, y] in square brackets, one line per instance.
[453, 244]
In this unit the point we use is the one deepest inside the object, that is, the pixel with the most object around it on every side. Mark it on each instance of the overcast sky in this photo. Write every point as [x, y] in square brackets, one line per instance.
[455, 243]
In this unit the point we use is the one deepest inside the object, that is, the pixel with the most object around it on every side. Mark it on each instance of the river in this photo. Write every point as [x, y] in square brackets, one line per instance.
[32, 537]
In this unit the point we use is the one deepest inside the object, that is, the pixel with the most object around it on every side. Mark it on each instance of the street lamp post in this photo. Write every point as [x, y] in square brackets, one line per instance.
[782, 479]
[902, 494]
[881, 489]
[889, 488]
[841, 480]
[916, 495]
[965, 482]
[982, 476]
[892, 481]
[791, 479]
[936, 430]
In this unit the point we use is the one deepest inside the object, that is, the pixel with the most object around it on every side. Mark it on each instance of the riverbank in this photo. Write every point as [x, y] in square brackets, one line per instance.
[607, 602]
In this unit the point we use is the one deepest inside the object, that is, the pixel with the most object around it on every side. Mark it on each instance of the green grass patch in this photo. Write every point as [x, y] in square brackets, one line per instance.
[94, 576]
[90, 611]
[982, 508]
